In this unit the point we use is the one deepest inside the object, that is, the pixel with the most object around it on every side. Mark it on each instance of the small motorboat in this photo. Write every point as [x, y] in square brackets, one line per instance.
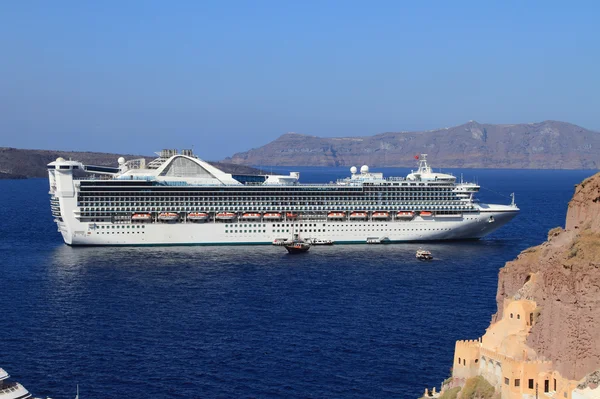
[424, 254]
[291, 215]
[296, 246]
[425, 213]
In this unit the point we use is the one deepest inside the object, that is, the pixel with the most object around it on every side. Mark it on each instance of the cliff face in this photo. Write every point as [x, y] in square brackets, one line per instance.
[545, 145]
[562, 276]
[19, 164]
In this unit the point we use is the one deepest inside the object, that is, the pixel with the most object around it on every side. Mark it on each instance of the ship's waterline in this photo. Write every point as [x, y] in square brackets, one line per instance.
[180, 200]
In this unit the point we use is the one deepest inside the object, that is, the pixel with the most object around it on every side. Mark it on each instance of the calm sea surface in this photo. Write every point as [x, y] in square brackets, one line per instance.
[236, 322]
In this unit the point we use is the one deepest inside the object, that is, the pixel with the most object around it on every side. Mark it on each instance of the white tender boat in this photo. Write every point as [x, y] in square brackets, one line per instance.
[318, 241]
[251, 216]
[272, 216]
[225, 216]
[378, 240]
[197, 216]
[141, 217]
[424, 254]
[168, 216]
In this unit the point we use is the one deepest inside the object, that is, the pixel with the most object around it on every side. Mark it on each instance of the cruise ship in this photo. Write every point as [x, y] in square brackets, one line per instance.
[179, 199]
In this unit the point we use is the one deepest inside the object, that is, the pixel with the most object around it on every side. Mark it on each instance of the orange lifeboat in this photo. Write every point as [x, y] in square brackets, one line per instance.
[405, 215]
[272, 216]
[197, 216]
[336, 215]
[381, 215]
[168, 216]
[291, 215]
[141, 217]
[425, 213]
[358, 215]
[251, 216]
[225, 216]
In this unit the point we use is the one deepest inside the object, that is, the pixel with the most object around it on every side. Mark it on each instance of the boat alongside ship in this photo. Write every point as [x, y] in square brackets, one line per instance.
[178, 199]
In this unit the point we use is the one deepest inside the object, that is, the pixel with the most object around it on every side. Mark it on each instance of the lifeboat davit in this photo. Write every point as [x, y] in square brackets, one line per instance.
[405, 215]
[291, 215]
[272, 216]
[197, 216]
[251, 216]
[425, 213]
[225, 216]
[168, 216]
[358, 215]
[381, 215]
[141, 217]
[336, 215]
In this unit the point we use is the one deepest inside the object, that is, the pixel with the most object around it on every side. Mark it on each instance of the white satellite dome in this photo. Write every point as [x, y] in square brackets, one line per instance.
[121, 160]
[353, 170]
[364, 169]
[60, 159]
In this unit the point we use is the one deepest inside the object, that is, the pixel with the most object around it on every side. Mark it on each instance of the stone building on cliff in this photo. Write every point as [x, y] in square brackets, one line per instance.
[503, 358]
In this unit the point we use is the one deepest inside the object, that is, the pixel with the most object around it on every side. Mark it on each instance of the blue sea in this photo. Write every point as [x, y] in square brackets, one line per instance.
[252, 322]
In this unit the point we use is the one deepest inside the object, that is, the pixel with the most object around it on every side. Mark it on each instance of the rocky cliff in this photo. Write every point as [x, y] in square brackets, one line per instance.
[20, 164]
[545, 145]
[562, 276]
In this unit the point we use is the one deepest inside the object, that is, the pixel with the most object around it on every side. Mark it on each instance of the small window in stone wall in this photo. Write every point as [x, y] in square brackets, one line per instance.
[531, 383]
[511, 315]
[464, 362]
[459, 360]
[517, 382]
[518, 316]
[476, 360]
[506, 381]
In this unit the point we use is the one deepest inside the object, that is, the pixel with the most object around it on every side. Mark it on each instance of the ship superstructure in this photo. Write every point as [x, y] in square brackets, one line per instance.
[178, 199]
[11, 389]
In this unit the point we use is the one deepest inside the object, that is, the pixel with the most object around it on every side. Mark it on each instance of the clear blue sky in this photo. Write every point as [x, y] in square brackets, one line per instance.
[226, 76]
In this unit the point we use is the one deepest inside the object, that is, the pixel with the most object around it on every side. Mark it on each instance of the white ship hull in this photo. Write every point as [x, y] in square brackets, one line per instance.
[472, 226]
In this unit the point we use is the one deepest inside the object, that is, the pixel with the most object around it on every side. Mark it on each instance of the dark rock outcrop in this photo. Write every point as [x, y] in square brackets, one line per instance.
[563, 276]
[545, 145]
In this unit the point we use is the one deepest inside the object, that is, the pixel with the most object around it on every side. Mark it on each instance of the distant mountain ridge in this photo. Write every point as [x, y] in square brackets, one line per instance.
[21, 164]
[544, 145]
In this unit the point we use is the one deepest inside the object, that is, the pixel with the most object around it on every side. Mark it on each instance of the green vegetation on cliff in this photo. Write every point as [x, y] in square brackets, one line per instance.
[477, 388]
